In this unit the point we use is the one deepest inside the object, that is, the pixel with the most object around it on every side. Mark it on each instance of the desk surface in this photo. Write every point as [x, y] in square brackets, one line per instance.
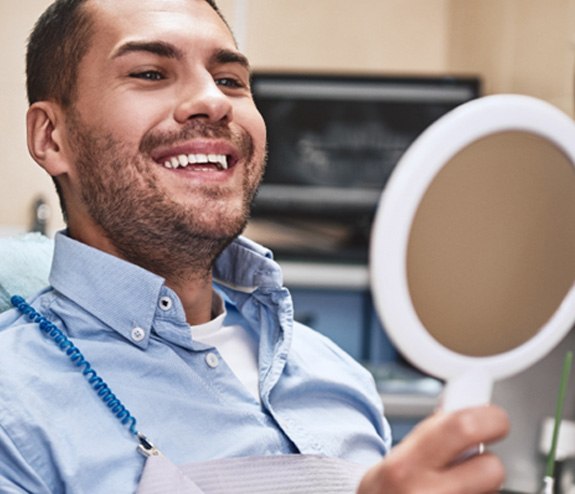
[409, 405]
[325, 275]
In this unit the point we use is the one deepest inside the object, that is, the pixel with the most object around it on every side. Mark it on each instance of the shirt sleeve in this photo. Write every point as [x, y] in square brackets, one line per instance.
[16, 474]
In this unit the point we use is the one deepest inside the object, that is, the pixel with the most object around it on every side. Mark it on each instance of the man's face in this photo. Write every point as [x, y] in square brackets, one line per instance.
[165, 137]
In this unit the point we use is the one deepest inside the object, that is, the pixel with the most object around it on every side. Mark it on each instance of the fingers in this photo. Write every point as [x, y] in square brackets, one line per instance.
[446, 436]
[425, 460]
[485, 472]
[482, 474]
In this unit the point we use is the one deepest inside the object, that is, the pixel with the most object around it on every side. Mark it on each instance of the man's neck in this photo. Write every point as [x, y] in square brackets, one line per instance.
[196, 297]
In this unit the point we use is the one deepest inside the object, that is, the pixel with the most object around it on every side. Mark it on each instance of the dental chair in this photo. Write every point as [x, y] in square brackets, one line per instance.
[25, 262]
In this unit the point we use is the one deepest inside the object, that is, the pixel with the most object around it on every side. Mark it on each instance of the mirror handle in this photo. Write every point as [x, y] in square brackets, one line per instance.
[472, 388]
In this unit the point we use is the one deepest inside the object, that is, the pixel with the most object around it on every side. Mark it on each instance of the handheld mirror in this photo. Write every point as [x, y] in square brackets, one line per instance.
[472, 255]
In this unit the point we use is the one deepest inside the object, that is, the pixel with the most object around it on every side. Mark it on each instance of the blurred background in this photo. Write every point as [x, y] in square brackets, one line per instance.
[413, 59]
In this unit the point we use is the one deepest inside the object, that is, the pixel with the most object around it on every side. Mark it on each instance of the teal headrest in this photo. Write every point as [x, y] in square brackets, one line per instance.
[25, 262]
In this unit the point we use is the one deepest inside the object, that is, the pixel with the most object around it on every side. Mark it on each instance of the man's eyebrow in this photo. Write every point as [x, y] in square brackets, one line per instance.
[167, 50]
[229, 56]
[159, 48]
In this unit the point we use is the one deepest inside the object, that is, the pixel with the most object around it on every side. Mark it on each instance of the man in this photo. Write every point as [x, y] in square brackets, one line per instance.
[141, 111]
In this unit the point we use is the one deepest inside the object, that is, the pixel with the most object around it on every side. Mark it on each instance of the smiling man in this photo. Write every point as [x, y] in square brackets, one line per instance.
[160, 150]
[142, 113]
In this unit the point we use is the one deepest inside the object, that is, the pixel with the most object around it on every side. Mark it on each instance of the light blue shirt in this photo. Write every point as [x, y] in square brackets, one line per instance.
[56, 434]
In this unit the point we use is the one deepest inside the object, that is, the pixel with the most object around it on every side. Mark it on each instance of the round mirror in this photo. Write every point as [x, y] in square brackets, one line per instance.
[473, 245]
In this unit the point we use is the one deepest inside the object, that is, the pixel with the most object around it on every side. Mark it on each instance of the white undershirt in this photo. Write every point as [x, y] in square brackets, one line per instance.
[234, 343]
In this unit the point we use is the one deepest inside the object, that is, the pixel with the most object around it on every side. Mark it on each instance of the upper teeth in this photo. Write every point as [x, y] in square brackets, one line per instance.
[184, 160]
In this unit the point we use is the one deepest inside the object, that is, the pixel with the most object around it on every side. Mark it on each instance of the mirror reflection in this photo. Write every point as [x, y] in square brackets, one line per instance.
[491, 251]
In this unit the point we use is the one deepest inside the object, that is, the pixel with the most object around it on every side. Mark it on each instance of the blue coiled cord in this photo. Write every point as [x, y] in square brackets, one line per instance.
[63, 342]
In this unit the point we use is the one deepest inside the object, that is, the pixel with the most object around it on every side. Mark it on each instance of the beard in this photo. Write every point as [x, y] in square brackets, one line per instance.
[123, 195]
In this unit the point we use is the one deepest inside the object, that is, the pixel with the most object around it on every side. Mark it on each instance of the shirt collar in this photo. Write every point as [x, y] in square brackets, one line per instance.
[246, 266]
[125, 296]
[105, 286]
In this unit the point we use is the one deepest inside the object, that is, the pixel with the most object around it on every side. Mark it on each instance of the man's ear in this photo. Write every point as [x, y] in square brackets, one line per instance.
[46, 131]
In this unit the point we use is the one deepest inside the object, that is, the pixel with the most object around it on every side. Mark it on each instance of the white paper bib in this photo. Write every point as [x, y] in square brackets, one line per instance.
[284, 474]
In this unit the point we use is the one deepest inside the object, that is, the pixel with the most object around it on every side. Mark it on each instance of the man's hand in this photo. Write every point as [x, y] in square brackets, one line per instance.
[427, 460]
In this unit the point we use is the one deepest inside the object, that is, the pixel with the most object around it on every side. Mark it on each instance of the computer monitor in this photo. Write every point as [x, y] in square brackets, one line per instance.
[333, 142]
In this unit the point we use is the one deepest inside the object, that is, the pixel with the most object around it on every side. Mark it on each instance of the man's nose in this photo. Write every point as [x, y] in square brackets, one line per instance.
[203, 99]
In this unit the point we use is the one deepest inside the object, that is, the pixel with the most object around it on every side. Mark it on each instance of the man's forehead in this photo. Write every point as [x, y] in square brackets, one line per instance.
[145, 5]
[134, 11]
[121, 21]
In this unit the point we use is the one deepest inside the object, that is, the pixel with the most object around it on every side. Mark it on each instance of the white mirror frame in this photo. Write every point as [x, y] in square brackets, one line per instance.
[469, 379]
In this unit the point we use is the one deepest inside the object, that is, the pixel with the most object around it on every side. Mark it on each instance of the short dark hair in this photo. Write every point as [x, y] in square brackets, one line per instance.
[57, 45]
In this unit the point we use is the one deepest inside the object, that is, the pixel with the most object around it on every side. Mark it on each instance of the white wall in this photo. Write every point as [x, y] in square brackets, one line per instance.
[20, 179]
[340, 35]
[522, 46]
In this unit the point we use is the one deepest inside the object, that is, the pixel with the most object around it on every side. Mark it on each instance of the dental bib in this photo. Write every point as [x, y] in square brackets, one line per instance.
[285, 474]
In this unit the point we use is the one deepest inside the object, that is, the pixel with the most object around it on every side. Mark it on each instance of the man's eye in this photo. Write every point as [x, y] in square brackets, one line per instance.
[148, 75]
[230, 82]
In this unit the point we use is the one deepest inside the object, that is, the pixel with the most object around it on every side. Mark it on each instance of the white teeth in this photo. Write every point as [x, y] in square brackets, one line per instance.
[223, 160]
[182, 160]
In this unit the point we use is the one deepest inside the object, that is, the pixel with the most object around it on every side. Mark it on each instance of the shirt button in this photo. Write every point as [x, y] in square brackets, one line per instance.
[212, 360]
[138, 334]
[165, 303]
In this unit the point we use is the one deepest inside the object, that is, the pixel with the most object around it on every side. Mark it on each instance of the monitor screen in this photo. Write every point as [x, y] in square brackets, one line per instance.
[333, 142]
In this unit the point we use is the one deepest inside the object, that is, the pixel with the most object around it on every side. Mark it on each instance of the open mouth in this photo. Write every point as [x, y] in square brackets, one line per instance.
[199, 162]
